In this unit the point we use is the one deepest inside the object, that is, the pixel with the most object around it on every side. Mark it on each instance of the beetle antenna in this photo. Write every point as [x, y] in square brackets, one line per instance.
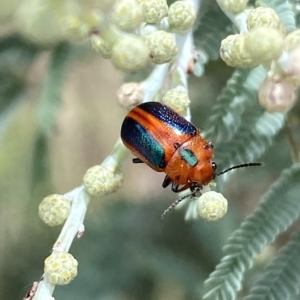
[173, 205]
[197, 189]
[176, 202]
[240, 166]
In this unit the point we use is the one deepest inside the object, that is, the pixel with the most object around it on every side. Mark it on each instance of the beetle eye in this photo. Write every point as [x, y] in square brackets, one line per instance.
[209, 146]
[214, 165]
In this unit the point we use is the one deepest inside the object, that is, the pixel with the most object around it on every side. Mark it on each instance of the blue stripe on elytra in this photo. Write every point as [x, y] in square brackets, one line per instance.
[168, 116]
[143, 142]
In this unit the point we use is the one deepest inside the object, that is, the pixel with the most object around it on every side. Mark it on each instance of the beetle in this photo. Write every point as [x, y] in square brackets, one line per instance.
[167, 142]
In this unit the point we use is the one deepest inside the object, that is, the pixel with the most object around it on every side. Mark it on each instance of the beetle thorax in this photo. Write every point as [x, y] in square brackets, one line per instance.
[192, 163]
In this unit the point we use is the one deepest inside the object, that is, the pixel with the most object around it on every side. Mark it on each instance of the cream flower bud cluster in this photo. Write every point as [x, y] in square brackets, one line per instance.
[60, 268]
[233, 6]
[126, 38]
[212, 206]
[54, 209]
[260, 45]
[100, 180]
[267, 43]
[279, 90]
[178, 99]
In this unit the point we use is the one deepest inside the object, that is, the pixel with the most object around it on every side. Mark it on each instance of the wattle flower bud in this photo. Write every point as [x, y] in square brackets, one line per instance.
[212, 206]
[162, 46]
[277, 95]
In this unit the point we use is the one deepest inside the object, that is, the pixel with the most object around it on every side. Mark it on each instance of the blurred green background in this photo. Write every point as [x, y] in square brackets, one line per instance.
[127, 252]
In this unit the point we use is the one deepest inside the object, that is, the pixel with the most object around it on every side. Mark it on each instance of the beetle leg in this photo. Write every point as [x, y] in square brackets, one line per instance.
[195, 187]
[137, 160]
[175, 186]
[176, 189]
[167, 181]
[176, 145]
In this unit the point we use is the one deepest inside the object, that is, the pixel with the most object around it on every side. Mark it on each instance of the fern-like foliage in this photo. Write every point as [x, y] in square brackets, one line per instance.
[239, 94]
[16, 53]
[41, 182]
[16, 56]
[51, 94]
[7, 115]
[50, 101]
[278, 209]
[297, 18]
[209, 33]
[281, 279]
[253, 139]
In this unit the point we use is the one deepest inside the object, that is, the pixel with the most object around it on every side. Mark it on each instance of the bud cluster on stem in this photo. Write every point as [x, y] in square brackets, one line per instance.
[263, 40]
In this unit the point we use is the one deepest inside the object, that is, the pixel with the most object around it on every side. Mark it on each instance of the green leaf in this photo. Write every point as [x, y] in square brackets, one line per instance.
[16, 56]
[41, 183]
[253, 139]
[238, 95]
[11, 88]
[241, 130]
[209, 33]
[51, 94]
[277, 210]
[297, 18]
[281, 279]
[8, 114]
